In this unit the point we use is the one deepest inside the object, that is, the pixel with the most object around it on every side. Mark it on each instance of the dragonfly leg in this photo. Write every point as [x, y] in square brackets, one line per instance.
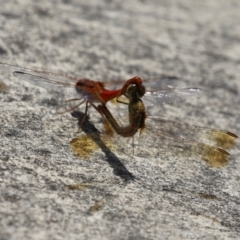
[84, 117]
[119, 101]
[97, 108]
[72, 108]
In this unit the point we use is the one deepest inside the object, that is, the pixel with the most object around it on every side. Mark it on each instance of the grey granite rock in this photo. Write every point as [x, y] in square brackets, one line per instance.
[114, 195]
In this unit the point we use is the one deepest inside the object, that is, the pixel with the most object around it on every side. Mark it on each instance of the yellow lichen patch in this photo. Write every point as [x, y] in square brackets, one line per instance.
[96, 207]
[207, 196]
[3, 87]
[79, 186]
[85, 145]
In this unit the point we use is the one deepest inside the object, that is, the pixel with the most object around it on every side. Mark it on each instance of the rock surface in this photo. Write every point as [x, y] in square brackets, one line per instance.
[113, 195]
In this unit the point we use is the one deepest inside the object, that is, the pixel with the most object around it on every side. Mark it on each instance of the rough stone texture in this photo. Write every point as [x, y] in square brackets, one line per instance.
[126, 197]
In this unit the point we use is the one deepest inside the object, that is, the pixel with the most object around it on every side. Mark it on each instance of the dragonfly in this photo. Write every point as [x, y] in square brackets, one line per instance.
[209, 144]
[90, 92]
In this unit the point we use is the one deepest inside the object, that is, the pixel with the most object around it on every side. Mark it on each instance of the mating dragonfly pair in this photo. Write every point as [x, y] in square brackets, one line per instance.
[208, 144]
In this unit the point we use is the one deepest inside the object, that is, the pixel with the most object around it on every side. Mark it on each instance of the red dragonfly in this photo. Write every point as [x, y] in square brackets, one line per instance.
[91, 92]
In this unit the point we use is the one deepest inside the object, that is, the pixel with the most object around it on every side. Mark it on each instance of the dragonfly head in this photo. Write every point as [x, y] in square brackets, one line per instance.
[134, 91]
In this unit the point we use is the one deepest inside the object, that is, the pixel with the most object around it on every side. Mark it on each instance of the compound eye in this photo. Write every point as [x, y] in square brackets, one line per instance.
[130, 90]
[142, 91]
[135, 91]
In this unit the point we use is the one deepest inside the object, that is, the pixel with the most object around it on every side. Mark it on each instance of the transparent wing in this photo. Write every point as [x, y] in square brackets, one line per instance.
[63, 83]
[160, 82]
[152, 98]
[165, 146]
[50, 81]
[222, 139]
[66, 85]
[62, 88]
[182, 139]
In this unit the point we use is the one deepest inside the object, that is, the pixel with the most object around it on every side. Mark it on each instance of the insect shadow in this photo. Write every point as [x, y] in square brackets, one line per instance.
[89, 129]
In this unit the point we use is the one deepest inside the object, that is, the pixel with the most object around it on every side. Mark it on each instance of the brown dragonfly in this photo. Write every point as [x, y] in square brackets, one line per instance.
[208, 144]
